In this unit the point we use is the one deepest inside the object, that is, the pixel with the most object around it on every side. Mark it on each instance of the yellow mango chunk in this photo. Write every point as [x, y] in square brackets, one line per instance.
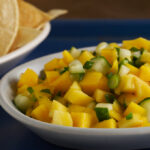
[146, 124]
[62, 118]
[114, 68]
[29, 77]
[114, 45]
[99, 95]
[74, 86]
[103, 84]
[111, 123]
[126, 84]
[133, 70]
[145, 57]
[90, 82]
[62, 63]
[94, 118]
[134, 108]
[110, 54]
[22, 89]
[85, 56]
[117, 107]
[76, 108]
[138, 43]
[38, 91]
[46, 101]
[41, 112]
[51, 76]
[142, 88]
[135, 121]
[62, 83]
[115, 115]
[81, 119]
[67, 57]
[51, 65]
[126, 98]
[57, 106]
[78, 97]
[144, 73]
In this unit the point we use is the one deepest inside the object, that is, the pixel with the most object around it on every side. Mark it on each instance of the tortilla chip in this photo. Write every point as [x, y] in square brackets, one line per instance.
[30, 16]
[54, 13]
[9, 23]
[24, 36]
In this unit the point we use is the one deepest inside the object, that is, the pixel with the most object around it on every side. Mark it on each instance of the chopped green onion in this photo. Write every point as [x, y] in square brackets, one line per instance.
[46, 91]
[64, 70]
[78, 76]
[118, 50]
[134, 49]
[88, 64]
[113, 81]
[102, 113]
[129, 116]
[30, 90]
[109, 75]
[109, 98]
[33, 98]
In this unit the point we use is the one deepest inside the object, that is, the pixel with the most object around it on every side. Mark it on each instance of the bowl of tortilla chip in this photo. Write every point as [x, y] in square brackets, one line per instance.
[22, 28]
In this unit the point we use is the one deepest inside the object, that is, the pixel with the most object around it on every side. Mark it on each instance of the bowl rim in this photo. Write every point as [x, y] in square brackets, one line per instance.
[29, 46]
[15, 113]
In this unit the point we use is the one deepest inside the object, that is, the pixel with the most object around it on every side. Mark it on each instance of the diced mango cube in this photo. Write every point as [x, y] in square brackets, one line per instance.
[81, 119]
[57, 106]
[114, 68]
[138, 43]
[135, 121]
[22, 89]
[111, 123]
[142, 88]
[117, 107]
[46, 101]
[41, 112]
[76, 108]
[114, 45]
[51, 65]
[126, 98]
[133, 70]
[62, 63]
[99, 95]
[103, 84]
[51, 76]
[144, 73]
[85, 56]
[90, 82]
[62, 83]
[145, 57]
[134, 108]
[94, 118]
[29, 77]
[62, 118]
[115, 115]
[126, 84]
[110, 54]
[78, 97]
[74, 86]
[67, 57]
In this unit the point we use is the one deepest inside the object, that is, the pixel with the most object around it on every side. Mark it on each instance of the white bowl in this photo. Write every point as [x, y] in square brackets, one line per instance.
[71, 137]
[10, 60]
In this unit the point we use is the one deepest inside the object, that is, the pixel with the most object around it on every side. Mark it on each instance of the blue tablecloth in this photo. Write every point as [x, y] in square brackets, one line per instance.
[65, 34]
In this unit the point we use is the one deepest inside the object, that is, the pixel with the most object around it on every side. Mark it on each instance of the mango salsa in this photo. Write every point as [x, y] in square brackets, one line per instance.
[107, 87]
